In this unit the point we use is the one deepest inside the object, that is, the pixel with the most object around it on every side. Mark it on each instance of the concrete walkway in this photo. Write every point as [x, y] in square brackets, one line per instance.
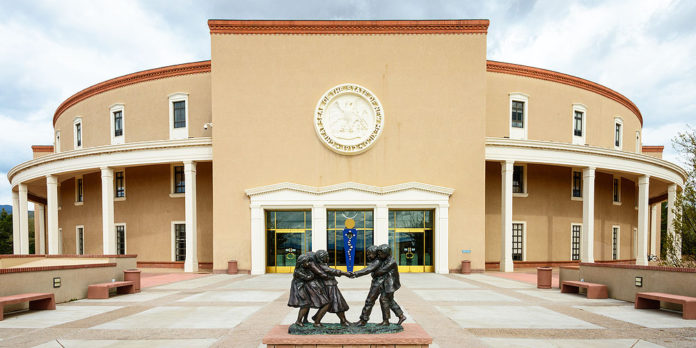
[476, 310]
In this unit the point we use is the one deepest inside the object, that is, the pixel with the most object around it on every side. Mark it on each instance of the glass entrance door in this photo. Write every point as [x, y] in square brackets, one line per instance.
[288, 235]
[335, 223]
[411, 239]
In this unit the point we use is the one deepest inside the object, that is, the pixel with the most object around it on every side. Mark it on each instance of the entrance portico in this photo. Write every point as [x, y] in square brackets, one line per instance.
[351, 196]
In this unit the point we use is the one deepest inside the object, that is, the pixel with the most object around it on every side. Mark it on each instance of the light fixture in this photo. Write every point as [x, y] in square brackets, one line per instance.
[639, 282]
[56, 282]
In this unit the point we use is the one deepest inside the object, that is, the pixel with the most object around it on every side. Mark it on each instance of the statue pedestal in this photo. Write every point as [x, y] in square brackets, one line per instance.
[412, 336]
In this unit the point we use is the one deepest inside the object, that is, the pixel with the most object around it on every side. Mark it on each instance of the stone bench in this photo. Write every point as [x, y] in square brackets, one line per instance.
[594, 291]
[36, 301]
[101, 291]
[651, 300]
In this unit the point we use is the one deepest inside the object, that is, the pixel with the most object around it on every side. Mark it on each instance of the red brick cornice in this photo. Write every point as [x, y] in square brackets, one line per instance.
[647, 268]
[130, 79]
[42, 148]
[474, 26]
[53, 268]
[548, 75]
[653, 148]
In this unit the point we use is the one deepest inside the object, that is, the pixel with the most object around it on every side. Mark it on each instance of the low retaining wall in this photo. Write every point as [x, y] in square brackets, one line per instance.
[620, 279]
[74, 278]
[568, 273]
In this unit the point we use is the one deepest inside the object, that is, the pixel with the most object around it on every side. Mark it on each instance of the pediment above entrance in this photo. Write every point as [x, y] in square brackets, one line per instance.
[350, 191]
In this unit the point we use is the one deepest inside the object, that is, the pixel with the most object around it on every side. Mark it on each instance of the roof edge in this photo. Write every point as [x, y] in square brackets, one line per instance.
[553, 76]
[359, 27]
[130, 79]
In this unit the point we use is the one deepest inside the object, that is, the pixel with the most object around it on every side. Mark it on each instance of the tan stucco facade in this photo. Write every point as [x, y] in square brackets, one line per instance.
[251, 125]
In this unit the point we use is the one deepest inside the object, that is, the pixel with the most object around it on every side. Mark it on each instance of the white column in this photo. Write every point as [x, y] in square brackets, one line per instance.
[23, 220]
[653, 228]
[191, 263]
[52, 216]
[643, 190]
[671, 199]
[258, 241]
[381, 224]
[15, 224]
[108, 228]
[588, 203]
[319, 228]
[442, 239]
[506, 264]
[39, 229]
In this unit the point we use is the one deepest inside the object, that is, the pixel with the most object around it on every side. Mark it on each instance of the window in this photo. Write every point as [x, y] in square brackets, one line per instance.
[179, 182]
[178, 116]
[120, 184]
[579, 124]
[577, 128]
[518, 115]
[79, 190]
[615, 243]
[575, 231]
[618, 133]
[56, 145]
[77, 133]
[117, 115]
[518, 242]
[577, 185]
[639, 147]
[519, 180]
[616, 190]
[179, 241]
[121, 239]
[80, 240]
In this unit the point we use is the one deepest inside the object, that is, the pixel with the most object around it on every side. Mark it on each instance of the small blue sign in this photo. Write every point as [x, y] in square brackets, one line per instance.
[466, 251]
[349, 241]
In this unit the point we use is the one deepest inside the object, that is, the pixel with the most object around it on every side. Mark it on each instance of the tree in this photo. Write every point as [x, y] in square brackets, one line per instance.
[684, 207]
[5, 232]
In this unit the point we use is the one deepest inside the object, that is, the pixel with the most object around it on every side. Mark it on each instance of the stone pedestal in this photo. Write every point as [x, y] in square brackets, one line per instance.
[134, 276]
[232, 267]
[544, 276]
[466, 267]
[412, 336]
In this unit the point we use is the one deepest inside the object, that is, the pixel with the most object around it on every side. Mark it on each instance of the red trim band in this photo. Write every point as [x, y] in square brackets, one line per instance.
[53, 268]
[548, 75]
[130, 79]
[475, 26]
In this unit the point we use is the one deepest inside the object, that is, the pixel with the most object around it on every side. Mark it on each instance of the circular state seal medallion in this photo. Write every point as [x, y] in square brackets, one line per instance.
[349, 119]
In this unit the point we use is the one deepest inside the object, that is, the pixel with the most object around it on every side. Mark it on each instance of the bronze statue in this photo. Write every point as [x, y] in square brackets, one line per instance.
[337, 304]
[314, 286]
[306, 290]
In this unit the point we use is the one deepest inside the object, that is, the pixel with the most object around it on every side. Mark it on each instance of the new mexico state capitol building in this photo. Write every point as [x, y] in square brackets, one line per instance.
[293, 127]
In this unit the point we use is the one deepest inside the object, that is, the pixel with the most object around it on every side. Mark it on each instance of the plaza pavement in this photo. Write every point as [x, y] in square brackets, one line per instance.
[477, 310]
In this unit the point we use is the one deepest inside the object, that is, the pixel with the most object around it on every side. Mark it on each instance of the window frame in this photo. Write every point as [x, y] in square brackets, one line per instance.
[639, 143]
[78, 141]
[616, 179]
[181, 132]
[117, 139]
[579, 140]
[79, 190]
[56, 141]
[618, 121]
[77, 239]
[572, 184]
[173, 239]
[573, 224]
[125, 237]
[116, 197]
[635, 242]
[172, 180]
[616, 242]
[525, 188]
[516, 132]
[524, 239]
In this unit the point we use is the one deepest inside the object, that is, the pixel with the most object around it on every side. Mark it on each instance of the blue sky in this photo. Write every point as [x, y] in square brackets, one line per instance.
[644, 49]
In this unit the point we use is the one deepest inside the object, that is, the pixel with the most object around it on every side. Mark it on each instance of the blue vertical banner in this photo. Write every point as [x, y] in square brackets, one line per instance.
[349, 240]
